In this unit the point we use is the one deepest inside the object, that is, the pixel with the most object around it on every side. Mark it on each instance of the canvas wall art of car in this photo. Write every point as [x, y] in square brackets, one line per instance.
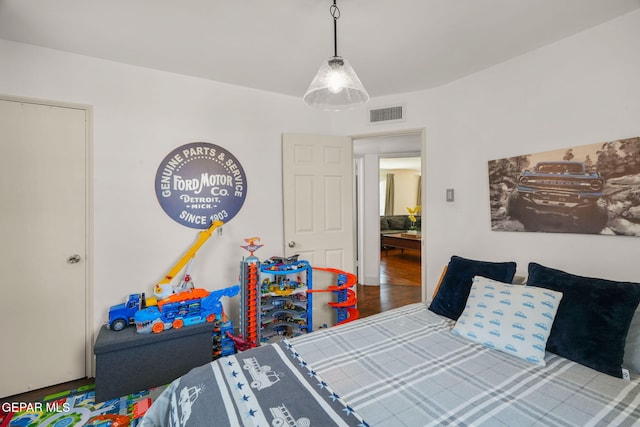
[590, 189]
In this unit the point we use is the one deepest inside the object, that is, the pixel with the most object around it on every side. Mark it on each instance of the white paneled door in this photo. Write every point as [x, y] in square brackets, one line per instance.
[319, 207]
[318, 199]
[43, 298]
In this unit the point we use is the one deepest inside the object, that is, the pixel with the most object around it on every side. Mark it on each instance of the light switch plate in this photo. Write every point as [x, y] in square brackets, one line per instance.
[449, 194]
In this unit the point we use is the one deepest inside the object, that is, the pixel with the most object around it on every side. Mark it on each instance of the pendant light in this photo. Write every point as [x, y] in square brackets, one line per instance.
[336, 85]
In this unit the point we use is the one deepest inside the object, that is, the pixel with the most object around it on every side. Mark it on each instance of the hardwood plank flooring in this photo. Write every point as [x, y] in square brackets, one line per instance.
[376, 299]
[400, 283]
[400, 267]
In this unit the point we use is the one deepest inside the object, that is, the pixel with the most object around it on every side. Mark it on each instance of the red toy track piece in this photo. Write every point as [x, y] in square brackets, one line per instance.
[240, 343]
[349, 304]
[116, 420]
[141, 407]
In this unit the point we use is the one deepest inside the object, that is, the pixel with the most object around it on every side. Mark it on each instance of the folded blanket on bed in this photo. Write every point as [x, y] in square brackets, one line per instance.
[269, 385]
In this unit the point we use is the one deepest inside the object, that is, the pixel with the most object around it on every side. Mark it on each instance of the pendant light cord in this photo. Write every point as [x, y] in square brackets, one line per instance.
[335, 12]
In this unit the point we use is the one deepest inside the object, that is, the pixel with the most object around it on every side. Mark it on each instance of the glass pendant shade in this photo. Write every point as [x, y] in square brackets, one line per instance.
[336, 87]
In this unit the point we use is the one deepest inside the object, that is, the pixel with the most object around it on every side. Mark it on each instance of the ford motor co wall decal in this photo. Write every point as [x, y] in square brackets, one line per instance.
[200, 182]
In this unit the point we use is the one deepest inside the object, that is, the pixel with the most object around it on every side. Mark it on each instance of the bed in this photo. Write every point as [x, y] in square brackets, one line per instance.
[414, 366]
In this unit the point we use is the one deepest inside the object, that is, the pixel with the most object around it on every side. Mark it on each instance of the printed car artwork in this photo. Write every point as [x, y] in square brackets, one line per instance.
[588, 189]
[563, 193]
[511, 348]
[262, 375]
[518, 326]
[539, 337]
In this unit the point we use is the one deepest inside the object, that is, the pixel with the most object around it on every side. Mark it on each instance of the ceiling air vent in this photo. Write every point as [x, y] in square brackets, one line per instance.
[386, 114]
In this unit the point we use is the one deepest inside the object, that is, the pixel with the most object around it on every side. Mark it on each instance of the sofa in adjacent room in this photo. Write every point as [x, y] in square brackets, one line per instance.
[390, 224]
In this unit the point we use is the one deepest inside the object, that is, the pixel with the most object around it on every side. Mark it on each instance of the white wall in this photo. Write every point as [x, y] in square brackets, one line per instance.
[406, 189]
[581, 90]
[140, 115]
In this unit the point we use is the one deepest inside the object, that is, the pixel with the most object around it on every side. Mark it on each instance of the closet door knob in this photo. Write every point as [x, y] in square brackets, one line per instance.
[74, 259]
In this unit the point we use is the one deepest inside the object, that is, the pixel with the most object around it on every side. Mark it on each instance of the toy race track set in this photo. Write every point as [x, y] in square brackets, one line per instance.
[277, 297]
[276, 300]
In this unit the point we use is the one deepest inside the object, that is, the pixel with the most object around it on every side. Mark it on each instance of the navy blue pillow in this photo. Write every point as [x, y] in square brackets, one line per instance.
[593, 318]
[456, 284]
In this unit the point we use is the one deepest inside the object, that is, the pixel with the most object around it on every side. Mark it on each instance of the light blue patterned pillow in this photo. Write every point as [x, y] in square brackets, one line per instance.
[514, 319]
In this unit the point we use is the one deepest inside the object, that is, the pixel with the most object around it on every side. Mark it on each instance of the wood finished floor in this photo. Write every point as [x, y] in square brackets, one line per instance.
[400, 283]
[400, 278]
[400, 267]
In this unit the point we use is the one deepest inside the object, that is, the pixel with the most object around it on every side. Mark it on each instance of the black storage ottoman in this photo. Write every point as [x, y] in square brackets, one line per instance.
[128, 362]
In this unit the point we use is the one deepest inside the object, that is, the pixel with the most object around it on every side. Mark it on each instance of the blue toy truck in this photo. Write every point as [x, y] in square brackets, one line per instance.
[122, 315]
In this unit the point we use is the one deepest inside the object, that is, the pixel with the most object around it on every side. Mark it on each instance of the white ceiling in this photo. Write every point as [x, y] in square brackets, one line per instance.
[395, 45]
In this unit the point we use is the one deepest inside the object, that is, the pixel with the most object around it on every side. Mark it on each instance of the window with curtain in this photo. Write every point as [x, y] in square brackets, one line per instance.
[389, 195]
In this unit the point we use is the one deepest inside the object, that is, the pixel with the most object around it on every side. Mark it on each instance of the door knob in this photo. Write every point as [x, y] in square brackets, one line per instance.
[74, 259]
[292, 244]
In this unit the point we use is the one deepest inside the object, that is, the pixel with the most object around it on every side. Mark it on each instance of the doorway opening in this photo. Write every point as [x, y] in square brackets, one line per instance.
[369, 151]
[400, 186]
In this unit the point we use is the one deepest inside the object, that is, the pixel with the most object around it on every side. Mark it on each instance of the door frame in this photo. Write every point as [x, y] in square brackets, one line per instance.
[360, 232]
[89, 367]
